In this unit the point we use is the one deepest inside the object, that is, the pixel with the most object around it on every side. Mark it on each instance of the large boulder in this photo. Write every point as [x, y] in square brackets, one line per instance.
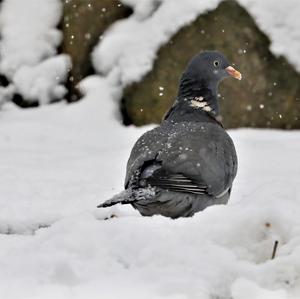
[83, 23]
[268, 95]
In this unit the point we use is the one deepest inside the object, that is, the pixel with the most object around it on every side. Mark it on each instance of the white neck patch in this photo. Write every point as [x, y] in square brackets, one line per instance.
[199, 103]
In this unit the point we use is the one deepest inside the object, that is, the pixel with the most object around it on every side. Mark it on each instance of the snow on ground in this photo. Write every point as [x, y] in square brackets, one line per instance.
[154, 22]
[68, 146]
[58, 162]
[29, 39]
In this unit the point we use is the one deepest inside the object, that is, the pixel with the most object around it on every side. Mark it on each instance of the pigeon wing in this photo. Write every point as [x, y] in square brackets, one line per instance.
[176, 182]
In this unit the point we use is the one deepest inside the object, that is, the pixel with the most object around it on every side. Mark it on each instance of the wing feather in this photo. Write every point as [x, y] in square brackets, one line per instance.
[175, 182]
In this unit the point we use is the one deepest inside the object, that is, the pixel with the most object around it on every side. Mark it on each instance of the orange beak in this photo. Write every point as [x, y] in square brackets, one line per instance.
[233, 73]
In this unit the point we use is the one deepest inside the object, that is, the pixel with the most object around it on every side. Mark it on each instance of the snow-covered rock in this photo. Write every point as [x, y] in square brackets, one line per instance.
[264, 98]
[154, 22]
[82, 25]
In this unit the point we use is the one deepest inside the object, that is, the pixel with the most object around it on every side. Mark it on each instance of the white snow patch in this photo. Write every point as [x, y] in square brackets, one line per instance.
[280, 21]
[29, 39]
[43, 82]
[68, 145]
[28, 32]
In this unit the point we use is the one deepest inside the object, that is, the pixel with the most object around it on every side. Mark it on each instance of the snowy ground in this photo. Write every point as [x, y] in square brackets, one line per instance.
[59, 162]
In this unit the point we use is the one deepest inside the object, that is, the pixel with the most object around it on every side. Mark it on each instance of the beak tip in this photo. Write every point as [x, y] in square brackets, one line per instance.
[233, 73]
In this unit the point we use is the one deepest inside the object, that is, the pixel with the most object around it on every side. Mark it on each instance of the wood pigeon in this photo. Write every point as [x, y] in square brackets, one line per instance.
[188, 162]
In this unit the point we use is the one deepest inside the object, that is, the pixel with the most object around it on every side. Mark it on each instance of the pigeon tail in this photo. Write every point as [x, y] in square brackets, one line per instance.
[129, 196]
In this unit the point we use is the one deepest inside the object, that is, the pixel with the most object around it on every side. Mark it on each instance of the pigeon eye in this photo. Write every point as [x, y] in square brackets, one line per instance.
[216, 63]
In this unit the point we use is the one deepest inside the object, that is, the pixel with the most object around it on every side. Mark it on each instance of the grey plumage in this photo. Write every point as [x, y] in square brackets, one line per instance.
[188, 162]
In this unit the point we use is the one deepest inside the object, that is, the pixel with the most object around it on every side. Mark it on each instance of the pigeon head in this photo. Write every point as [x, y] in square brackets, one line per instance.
[206, 70]
[201, 78]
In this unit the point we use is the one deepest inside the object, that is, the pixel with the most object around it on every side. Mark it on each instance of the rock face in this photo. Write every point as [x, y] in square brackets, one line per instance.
[83, 23]
[268, 95]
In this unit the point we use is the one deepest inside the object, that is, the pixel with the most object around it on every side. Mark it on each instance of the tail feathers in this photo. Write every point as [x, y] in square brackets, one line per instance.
[124, 197]
[129, 196]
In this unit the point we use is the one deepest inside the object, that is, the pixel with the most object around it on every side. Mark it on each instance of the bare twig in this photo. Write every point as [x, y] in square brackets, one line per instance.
[274, 249]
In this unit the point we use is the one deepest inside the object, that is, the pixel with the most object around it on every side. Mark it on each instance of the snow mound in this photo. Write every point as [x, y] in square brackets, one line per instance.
[224, 252]
[43, 82]
[29, 39]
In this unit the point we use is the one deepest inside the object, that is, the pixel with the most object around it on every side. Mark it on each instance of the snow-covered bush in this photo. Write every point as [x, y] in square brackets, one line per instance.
[29, 39]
